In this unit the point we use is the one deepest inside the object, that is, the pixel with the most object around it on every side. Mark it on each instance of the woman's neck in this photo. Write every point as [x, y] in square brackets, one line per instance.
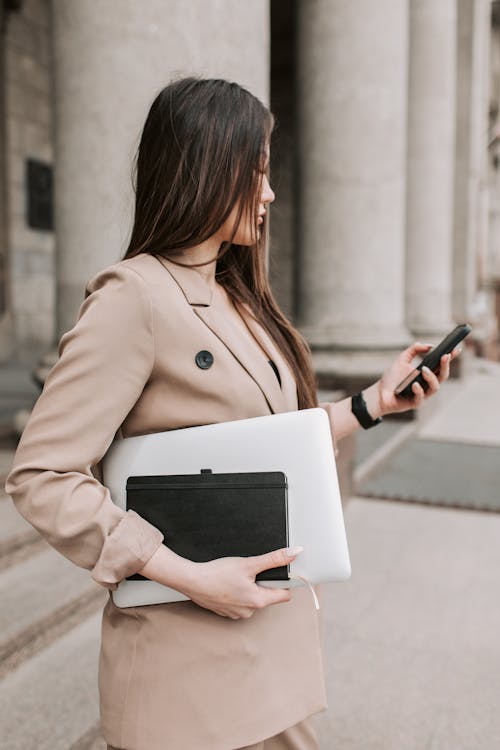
[201, 258]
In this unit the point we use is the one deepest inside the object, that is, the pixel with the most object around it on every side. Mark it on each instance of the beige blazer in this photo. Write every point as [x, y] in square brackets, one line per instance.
[170, 675]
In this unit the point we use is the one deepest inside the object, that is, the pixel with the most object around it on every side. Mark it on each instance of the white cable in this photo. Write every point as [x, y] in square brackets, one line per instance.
[316, 602]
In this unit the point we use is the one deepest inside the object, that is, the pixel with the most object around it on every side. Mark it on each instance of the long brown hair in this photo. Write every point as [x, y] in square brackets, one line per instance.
[202, 152]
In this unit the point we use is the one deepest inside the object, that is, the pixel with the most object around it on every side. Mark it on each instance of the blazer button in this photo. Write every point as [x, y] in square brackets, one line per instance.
[204, 359]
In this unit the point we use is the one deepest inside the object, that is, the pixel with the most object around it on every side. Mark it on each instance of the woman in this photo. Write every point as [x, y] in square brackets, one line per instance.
[237, 665]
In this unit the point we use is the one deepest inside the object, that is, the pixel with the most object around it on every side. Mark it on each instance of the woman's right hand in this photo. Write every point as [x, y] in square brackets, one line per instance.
[226, 585]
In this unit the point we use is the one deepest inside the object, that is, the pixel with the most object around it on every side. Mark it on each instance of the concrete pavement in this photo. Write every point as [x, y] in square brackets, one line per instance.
[412, 641]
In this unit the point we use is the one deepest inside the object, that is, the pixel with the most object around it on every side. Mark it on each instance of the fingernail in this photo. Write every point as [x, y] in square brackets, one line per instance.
[291, 551]
[427, 369]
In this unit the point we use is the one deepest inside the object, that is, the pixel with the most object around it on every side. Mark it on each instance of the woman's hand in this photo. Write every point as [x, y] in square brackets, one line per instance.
[227, 585]
[379, 396]
[400, 368]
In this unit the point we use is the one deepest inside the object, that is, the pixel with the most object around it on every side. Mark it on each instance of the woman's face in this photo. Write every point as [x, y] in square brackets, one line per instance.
[249, 228]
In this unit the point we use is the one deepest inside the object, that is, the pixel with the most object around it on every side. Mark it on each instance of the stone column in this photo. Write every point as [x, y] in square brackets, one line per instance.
[352, 94]
[6, 343]
[493, 265]
[471, 148]
[431, 157]
[110, 61]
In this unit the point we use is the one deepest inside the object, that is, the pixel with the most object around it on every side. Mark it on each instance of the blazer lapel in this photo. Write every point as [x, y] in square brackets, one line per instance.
[199, 295]
[258, 368]
[288, 388]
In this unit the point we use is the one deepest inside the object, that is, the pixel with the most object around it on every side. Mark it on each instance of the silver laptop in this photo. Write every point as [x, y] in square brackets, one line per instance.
[297, 443]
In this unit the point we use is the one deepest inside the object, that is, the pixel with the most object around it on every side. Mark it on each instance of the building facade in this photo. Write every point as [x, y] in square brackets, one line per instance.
[385, 159]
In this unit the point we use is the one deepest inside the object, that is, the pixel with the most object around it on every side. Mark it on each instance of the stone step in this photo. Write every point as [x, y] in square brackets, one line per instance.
[6, 458]
[51, 701]
[11, 521]
[91, 740]
[49, 640]
[38, 593]
[15, 531]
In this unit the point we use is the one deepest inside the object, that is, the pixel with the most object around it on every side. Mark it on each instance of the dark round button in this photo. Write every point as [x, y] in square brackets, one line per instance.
[204, 359]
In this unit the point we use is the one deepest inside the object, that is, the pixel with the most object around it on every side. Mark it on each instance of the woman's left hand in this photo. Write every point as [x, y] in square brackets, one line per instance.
[401, 368]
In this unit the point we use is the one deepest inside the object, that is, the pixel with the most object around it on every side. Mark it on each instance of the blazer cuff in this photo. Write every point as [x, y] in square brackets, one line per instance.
[126, 550]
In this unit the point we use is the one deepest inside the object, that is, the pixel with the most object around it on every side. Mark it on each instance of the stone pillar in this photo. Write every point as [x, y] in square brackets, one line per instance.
[471, 147]
[352, 95]
[494, 169]
[110, 61]
[430, 176]
[6, 343]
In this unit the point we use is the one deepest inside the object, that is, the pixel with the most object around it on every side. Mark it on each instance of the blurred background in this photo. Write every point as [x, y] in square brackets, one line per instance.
[385, 229]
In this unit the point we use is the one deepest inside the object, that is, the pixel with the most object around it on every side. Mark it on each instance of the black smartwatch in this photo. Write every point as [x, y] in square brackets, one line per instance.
[360, 411]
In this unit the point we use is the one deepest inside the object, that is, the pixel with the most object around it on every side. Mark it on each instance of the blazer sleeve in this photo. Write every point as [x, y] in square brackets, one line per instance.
[104, 362]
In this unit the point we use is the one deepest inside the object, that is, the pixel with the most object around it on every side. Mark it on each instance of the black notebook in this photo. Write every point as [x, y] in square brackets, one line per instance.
[205, 516]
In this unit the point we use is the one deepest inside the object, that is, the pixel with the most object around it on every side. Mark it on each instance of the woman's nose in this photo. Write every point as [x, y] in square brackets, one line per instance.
[267, 193]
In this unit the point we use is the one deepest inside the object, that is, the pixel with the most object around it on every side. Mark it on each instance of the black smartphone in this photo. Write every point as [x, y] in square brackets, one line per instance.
[432, 360]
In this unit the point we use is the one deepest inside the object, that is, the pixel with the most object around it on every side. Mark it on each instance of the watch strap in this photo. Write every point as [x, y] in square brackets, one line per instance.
[360, 411]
